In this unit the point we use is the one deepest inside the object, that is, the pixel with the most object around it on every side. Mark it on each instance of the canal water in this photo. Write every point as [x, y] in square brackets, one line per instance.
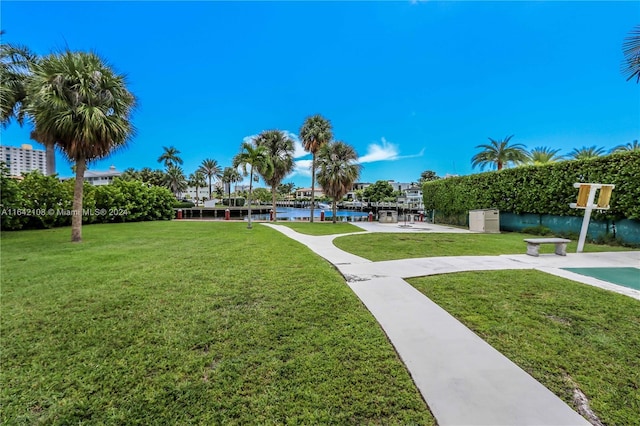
[291, 213]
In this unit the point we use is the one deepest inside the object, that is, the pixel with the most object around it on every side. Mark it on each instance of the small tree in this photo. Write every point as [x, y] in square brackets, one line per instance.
[197, 180]
[257, 159]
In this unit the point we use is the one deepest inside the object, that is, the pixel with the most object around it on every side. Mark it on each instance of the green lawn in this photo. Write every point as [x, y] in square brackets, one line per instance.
[189, 323]
[559, 331]
[322, 228]
[383, 246]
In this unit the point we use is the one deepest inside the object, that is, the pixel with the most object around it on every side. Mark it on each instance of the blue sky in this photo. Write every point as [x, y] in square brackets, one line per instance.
[412, 86]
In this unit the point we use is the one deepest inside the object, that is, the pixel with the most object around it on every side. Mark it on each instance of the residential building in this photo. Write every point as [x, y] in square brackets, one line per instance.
[306, 193]
[97, 178]
[400, 186]
[413, 196]
[24, 159]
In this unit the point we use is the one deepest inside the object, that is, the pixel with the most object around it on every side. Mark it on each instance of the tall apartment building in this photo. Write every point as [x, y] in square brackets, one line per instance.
[24, 159]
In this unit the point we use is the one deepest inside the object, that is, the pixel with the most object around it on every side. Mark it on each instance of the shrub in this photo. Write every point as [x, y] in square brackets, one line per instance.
[546, 189]
[538, 230]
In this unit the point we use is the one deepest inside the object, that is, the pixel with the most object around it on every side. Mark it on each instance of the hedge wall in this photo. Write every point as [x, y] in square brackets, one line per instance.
[546, 189]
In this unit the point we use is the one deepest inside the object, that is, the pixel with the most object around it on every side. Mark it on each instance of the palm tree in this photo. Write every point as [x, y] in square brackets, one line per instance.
[211, 170]
[586, 152]
[337, 170]
[544, 155]
[197, 179]
[15, 68]
[631, 146]
[174, 179]
[280, 150]
[170, 157]
[76, 99]
[631, 51]
[315, 132]
[230, 175]
[499, 154]
[257, 158]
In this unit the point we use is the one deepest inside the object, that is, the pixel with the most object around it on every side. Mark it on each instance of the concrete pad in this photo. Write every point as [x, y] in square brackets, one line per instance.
[464, 380]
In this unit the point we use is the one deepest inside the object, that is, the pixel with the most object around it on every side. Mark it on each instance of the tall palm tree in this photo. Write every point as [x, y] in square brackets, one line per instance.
[174, 179]
[230, 175]
[586, 152]
[257, 159]
[631, 51]
[544, 155]
[170, 157]
[631, 146]
[315, 132]
[499, 154]
[280, 150]
[211, 170]
[80, 102]
[197, 180]
[337, 170]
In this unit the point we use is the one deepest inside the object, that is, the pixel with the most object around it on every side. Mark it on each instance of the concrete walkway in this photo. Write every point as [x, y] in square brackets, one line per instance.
[464, 380]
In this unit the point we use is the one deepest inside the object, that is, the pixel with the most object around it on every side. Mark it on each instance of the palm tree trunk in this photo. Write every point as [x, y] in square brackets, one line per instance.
[76, 214]
[273, 200]
[249, 197]
[209, 187]
[334, 210]
[51, 159]
[197, 196]
[313, 184]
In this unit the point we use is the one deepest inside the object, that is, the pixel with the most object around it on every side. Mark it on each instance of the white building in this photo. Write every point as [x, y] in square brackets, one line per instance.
[306, 193]
[413, 196]
[24, 159]
[97, 178]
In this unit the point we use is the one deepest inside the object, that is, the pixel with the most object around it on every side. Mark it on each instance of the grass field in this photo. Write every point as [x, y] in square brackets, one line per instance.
[563, 333]
[198, 322]
[321, 228]
[383, 246]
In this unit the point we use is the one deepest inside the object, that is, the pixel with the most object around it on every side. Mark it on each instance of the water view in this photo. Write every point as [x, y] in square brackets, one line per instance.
[291, 213]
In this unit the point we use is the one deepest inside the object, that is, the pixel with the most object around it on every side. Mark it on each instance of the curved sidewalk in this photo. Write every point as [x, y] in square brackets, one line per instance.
[463, 379]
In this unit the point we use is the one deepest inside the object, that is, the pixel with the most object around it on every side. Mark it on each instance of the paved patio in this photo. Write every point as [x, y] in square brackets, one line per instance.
[463, 379]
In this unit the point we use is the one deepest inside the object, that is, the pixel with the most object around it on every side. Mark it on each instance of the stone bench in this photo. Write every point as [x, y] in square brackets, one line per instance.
[533, 245]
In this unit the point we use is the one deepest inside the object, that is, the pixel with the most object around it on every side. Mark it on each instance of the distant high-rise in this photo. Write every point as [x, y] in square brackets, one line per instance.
[24, 159]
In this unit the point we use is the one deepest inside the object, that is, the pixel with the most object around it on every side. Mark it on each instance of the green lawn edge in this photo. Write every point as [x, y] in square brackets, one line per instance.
[393, 246]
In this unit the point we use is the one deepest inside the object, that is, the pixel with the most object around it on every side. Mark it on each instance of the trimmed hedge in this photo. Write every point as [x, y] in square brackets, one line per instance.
[546, 189]
[38, 202]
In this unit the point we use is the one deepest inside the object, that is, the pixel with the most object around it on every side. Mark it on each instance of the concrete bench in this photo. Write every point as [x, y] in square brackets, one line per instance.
[533, 245]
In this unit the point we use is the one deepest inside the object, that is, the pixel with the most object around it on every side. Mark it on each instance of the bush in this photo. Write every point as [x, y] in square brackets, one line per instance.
[49, 202]
[183, 204]
[538, 230]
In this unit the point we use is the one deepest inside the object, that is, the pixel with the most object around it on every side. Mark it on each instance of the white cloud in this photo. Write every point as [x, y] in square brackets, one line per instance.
[386, 151]
[380, 152]
[302, 168]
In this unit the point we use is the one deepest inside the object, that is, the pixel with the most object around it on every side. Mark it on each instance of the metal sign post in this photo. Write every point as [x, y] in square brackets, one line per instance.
[586, 197]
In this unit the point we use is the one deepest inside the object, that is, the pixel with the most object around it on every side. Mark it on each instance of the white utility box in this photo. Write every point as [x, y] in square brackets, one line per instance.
[484, 220]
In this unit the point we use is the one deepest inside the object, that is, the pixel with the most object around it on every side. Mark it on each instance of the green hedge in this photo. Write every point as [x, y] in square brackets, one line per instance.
[546, 189]
[38, 202]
